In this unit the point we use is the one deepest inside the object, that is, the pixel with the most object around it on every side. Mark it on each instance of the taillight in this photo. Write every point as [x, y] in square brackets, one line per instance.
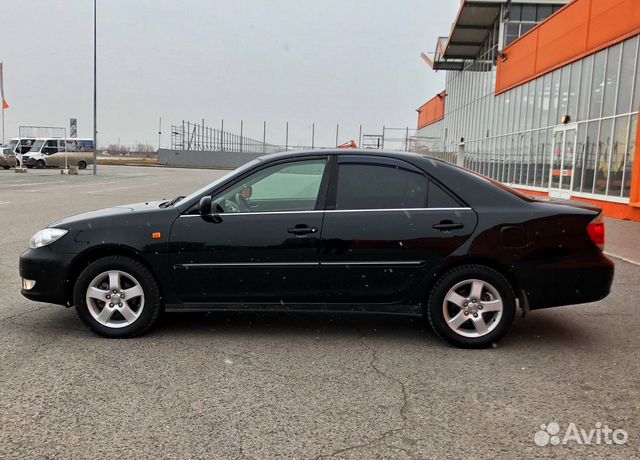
[595, 230]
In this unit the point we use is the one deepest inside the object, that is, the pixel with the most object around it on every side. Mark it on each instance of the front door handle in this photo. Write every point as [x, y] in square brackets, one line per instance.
[448, 225]
[302, 230]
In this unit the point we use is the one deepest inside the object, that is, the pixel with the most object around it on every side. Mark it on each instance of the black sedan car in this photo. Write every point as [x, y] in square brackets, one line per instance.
[348, 231]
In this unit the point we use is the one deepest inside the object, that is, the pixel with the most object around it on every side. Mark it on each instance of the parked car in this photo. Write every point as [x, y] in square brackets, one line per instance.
[7, 158]
[58, 153]
[20, 146]
[346, 231]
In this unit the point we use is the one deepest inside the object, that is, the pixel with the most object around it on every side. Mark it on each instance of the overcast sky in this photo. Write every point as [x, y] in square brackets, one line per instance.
[302, 61]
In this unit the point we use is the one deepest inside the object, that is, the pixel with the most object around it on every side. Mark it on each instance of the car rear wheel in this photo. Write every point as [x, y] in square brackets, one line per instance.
[117, 297]
[40, 164]
[82, 164]
[471, 306]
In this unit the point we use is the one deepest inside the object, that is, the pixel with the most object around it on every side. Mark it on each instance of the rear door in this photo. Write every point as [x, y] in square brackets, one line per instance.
[387, 224]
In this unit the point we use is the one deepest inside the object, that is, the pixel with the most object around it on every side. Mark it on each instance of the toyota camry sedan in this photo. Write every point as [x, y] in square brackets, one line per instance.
[327, 231]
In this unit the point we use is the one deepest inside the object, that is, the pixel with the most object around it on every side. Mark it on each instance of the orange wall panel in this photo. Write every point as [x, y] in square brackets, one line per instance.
[432, 110]
[612, 18]
[609, 209]
[580, 28]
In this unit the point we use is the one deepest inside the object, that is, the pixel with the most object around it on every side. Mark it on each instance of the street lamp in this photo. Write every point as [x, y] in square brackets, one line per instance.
[95, 126]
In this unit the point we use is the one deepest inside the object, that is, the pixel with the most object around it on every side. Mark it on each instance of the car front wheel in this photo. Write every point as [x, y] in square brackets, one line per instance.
[471, 306]
[117, 297]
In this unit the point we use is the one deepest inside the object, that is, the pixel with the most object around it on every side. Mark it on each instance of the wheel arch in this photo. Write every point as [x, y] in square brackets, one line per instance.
[84, 259]
[494, 264]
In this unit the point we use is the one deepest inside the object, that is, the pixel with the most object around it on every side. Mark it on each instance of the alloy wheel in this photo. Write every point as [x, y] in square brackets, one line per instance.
[115, 299]
[472, 308]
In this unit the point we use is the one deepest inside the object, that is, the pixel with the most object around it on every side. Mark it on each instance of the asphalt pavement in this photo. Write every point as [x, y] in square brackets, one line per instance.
[272, 385]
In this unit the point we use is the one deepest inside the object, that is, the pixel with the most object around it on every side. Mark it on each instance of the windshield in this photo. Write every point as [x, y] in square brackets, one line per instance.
[37, 146]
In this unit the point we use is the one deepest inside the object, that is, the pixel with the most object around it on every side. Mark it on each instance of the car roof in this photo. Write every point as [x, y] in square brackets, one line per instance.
[369, 152]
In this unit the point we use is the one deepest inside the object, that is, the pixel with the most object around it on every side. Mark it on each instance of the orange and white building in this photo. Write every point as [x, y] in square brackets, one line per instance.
[544, 96]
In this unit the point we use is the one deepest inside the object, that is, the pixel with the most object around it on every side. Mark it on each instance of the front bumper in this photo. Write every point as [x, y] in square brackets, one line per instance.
[49, 270]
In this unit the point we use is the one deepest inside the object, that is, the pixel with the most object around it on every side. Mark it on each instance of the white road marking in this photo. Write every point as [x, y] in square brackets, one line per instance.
[66, 187]
[5, 202]
[31, 183]
[634, 262]
[107, 190]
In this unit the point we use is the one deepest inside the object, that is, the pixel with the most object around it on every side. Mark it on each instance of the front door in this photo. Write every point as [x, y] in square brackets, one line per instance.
[562, 160]
[261, 244]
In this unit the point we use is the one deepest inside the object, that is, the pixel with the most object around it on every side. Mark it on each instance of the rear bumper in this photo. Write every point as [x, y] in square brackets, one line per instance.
[48, 269]
[568, 282]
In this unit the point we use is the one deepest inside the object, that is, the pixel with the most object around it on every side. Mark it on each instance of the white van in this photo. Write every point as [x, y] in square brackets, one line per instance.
[58, 153]
[21, 145]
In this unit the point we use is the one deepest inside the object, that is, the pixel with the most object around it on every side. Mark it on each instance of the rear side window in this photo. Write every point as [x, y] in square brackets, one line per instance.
[368, 186]
[437, 197]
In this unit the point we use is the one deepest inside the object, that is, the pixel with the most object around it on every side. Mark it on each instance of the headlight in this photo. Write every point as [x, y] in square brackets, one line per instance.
[46, 236]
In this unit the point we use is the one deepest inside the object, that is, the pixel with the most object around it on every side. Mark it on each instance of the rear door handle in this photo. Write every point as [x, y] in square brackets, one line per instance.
[302, 230]
[448, 225]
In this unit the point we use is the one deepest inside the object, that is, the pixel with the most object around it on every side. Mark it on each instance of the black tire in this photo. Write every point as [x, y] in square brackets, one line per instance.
[6, 167]
[499, 325]
[82, 164]
[152, 300]
[40, 164]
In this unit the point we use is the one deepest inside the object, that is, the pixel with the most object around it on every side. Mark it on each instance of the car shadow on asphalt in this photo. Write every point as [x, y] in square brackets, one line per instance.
[545, 327]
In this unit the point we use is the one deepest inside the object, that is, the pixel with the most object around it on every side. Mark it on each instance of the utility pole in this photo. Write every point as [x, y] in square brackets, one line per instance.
[264, 136]
[95, 98]
[286, 137]
[159, 132]
[313, 135]
[337, 129]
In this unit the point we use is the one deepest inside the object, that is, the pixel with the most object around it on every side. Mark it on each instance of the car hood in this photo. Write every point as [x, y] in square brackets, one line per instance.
[127, 209]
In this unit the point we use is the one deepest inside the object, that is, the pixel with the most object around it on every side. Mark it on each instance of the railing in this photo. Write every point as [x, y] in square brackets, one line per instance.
[194, 136]
[198, 136]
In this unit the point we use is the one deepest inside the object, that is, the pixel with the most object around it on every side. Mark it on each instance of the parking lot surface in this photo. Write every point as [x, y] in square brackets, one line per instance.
[245, 385]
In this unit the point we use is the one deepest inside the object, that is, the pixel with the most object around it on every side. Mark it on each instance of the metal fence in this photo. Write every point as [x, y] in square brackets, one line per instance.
[198, 136]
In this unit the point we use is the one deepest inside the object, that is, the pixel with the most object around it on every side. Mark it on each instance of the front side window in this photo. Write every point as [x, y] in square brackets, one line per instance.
[283, 187]
[37, 146]
[369, 186]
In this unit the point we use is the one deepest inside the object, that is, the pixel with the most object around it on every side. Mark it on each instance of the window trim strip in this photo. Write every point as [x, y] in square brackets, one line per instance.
[315, 211]
[297, 264]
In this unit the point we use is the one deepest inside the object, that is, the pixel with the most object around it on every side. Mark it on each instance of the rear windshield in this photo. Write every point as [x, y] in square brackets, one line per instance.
[502, 186]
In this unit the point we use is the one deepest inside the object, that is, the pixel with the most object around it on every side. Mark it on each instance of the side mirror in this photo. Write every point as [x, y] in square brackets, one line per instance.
[205, 205]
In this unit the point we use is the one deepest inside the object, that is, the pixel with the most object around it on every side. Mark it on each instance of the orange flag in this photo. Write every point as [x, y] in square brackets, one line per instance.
[4, 105]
